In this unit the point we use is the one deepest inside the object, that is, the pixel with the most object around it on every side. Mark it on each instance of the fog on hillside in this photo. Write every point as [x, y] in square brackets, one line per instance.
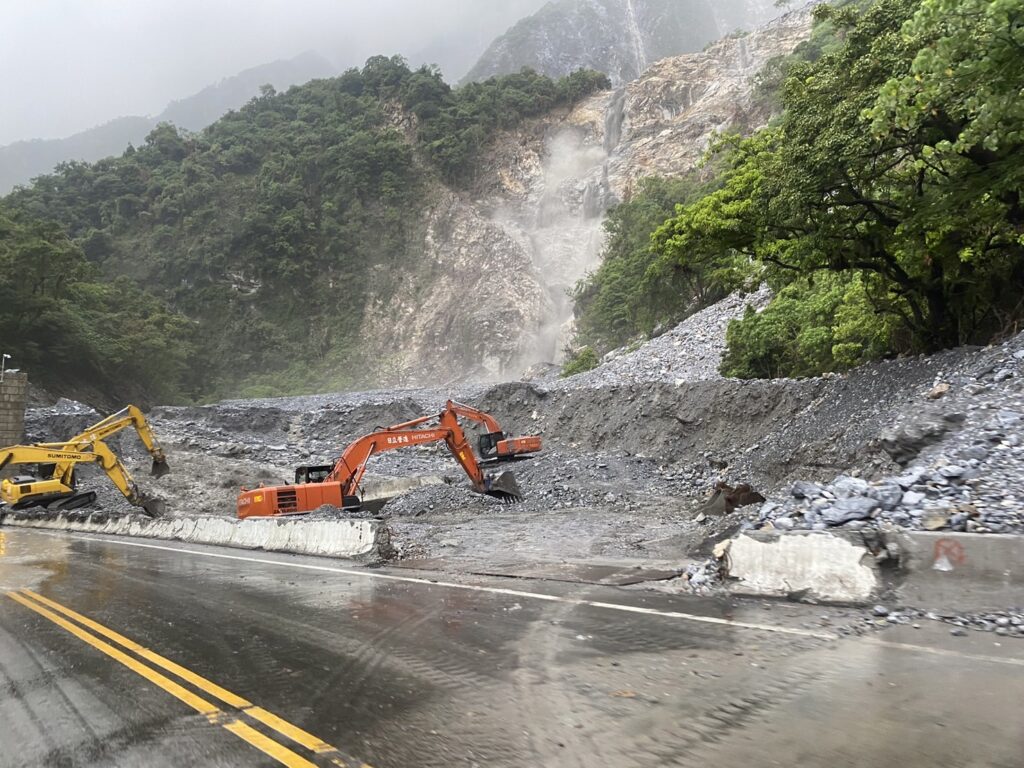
[80, 63]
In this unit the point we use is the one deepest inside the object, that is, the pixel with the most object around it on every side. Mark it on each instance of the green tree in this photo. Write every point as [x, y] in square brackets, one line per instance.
[894, 161]
[271, 229]
[73, 331]
[808, 328]
[584, 359]
[622, 299]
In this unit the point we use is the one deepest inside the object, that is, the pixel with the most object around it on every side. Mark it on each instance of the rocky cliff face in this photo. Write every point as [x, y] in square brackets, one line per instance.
[462, 314]
[491, 296]
[618, 37]
[663, 122]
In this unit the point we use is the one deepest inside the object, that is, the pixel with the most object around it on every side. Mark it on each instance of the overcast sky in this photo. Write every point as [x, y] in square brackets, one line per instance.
[71, 64]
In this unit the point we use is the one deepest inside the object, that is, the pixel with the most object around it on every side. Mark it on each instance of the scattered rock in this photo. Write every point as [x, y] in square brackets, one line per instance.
[804, 490]
[904, 443]
[935, 520]
[889, 494]
[1007, 419]
[912, 498]
[845, 487]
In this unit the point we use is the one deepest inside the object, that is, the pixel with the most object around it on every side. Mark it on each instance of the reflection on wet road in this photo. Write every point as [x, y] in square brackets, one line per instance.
[112, 653]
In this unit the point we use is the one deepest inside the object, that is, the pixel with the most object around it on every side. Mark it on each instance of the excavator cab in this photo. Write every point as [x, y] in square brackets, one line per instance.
[312, 474]
[487, 445]
[38, 490]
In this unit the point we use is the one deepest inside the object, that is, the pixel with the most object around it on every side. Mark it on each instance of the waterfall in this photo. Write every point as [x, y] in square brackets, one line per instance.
[613, 120]
[636, 38]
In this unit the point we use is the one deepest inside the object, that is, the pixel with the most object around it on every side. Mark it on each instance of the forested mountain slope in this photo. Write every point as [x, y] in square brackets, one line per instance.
[274, 230]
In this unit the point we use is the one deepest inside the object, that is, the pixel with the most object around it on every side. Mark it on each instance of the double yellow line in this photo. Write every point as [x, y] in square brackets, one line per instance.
[229, 720]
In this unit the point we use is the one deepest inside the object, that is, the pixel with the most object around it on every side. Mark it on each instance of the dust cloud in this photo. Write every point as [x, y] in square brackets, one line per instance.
[561, 226]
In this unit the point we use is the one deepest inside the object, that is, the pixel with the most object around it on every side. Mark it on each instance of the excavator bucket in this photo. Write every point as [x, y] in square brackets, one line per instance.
[154, 507]
[160, 468]
[505, 487]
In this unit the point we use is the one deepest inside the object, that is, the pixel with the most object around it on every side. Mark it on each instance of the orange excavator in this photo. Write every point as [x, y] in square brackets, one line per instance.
[494, 445]
[337, 484]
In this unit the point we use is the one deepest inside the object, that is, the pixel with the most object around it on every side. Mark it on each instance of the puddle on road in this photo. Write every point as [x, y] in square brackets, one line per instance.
[27, 560]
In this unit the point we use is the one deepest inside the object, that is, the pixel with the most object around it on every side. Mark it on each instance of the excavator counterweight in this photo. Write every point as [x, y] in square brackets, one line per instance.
[338, 485]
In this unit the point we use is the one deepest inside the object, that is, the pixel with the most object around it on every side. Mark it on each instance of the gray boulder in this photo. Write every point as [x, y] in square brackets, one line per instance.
[904, 443]
[804, 490]
[845, 487]
[889, 494]
[845, 510]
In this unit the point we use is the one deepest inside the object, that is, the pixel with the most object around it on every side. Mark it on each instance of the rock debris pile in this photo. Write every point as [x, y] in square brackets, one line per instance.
[960, 456]
[438, 498]
[692, 351]
[633, 451]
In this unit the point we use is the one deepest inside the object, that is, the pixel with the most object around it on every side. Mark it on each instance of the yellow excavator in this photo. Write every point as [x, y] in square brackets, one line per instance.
[55, 485]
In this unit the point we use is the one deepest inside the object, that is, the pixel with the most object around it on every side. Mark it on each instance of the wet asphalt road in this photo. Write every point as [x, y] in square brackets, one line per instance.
[113, 653]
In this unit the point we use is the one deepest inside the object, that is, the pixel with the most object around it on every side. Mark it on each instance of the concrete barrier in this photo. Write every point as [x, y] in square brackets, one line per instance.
[826, 567]
[937, 571]
[351, 539]
[960, 571]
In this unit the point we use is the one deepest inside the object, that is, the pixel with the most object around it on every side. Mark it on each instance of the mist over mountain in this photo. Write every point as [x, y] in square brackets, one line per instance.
[24, 160]
[83, 96]
[617, 37]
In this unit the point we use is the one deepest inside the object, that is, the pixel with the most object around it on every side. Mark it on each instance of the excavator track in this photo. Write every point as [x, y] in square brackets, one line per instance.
[503, 460]
[57, 501]
[83, 499]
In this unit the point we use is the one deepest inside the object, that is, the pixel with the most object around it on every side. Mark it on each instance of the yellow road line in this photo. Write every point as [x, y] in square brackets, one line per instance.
[267, 745]
[213, 713]
[199, 682]
[293, 732]
[197, 703]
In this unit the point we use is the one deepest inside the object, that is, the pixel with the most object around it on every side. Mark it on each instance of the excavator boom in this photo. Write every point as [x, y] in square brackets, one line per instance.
[129, 416]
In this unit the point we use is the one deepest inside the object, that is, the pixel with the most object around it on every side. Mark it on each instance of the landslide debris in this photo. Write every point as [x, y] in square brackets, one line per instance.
[691, 351]
[634, 451]
[958, 461]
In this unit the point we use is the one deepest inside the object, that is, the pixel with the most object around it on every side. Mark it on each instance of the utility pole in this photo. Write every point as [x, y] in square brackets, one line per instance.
[3, 365]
